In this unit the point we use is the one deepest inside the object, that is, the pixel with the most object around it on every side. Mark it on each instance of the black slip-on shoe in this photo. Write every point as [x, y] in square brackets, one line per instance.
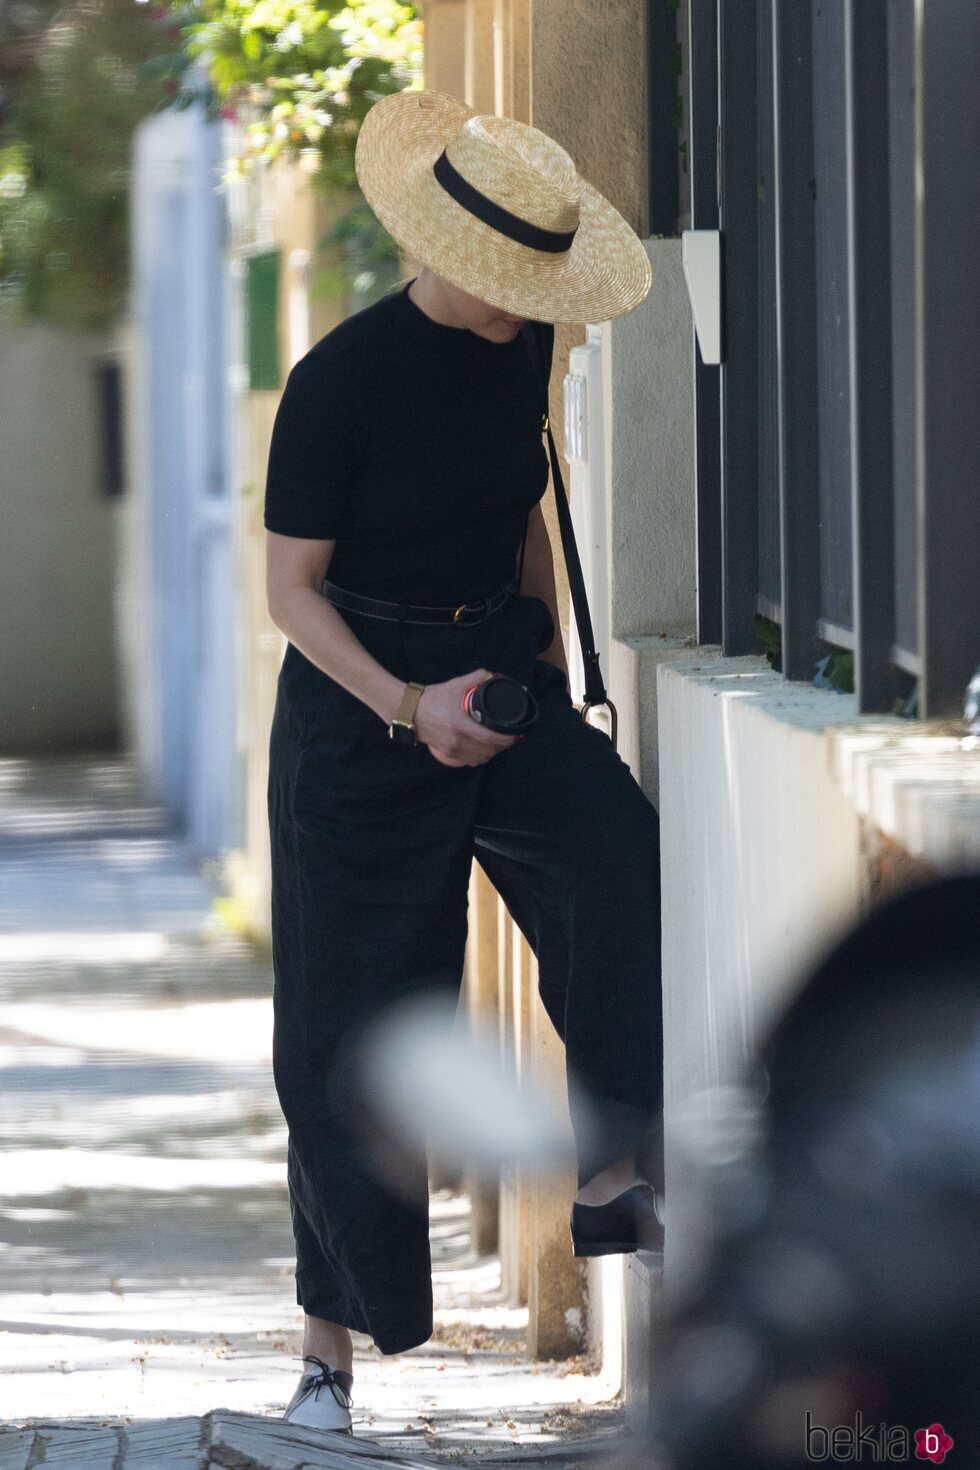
[628, 1222]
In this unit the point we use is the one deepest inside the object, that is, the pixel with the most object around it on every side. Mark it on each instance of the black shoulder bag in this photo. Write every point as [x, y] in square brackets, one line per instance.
[595, 690]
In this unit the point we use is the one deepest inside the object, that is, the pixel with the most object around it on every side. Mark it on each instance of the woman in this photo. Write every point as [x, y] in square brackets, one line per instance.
[408, 560]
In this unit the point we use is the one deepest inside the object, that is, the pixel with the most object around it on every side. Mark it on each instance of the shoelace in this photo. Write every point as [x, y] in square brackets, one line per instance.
[329, 1377]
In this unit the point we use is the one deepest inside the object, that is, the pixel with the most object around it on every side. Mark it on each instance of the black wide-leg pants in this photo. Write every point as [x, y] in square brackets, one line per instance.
[371, 849]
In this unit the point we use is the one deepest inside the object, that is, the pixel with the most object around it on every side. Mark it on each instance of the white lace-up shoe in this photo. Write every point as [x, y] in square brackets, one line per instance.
[322, 1399]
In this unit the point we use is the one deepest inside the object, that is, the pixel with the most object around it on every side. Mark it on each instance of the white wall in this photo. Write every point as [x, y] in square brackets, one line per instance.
[180, 550]
[653, 587]
[761, 872]
[632, 499]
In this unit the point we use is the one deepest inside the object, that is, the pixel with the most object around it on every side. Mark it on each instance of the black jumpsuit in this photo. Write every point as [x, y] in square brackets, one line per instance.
[418, 447]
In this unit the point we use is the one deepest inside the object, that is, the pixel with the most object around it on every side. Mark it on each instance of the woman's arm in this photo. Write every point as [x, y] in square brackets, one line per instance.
[295, 569]
[538, 580]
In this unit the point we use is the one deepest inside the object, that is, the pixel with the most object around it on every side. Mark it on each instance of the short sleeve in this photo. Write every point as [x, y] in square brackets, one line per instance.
[311, 464]
[546, 336]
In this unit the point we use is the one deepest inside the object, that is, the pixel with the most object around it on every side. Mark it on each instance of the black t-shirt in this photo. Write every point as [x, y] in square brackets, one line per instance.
[418, 446]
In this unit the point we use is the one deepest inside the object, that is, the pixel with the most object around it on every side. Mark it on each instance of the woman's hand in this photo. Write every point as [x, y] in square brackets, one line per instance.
[453, 736]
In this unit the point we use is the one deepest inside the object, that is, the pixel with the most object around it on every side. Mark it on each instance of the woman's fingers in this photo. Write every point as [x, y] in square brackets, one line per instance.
[452, 735]
[484, 742]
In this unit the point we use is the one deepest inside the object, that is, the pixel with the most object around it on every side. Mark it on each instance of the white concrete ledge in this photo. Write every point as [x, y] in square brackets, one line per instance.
[632, 683]
[762, 869]
[918, 783]
[762, 860]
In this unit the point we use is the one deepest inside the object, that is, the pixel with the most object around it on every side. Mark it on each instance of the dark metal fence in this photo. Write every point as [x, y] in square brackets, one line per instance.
[838, 446]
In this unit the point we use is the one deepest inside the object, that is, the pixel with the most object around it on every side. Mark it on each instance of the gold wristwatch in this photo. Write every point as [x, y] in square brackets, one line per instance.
[402, 727]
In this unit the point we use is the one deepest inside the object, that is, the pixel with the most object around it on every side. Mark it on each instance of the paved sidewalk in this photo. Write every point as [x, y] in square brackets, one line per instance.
[146, 1257]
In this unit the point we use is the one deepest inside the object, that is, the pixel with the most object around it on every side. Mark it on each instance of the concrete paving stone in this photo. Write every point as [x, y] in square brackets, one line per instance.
[164, 1444]
[221, 1441]
[15, 1448]
[82, 1449]
[287, 1447]
[240, 1441]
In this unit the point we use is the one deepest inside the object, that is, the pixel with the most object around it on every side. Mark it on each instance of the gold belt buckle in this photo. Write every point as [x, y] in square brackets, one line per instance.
[484, 603]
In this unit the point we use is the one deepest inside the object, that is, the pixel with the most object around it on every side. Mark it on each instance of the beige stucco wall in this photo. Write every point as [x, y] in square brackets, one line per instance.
[480, 51]
[589, 93]
[58, 657]
[445, 27]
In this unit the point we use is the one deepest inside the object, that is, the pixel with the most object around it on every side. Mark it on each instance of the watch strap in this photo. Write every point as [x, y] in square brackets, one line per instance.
[409, 702]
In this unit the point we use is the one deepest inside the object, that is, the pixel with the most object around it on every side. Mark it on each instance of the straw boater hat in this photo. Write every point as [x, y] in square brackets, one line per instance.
[499, 209]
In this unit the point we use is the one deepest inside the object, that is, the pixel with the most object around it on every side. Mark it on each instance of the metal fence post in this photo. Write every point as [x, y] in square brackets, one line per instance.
[739, 376]
[867, 216]
[947, 138]
[796, 339]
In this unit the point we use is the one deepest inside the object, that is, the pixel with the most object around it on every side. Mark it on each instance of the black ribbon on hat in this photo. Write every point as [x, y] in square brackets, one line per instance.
[495, 215]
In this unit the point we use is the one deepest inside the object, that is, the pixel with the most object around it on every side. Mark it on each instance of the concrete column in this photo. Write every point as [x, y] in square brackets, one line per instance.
[481, 1001]
[556, 1279]
[519, 105]
[479, 55]
[443, 65]
[513, 1212]
[647, 356]
[523, 981]
[590, 92]
[501, 57]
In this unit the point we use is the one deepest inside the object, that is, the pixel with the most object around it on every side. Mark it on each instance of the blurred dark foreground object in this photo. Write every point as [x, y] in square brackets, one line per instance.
[838, 1317]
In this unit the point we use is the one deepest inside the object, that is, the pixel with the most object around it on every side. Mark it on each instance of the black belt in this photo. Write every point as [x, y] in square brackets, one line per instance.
[462, 614]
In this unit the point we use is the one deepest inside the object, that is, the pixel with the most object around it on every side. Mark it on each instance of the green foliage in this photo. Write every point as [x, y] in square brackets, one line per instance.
[371, 260]
[75, 80]
[769, 636]
[836, 671]
[300, 75]
[840, 670]
[908, 708]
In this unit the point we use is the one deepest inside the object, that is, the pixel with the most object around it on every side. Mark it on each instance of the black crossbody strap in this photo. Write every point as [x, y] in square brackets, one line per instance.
[595, 690]
[520, 562]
